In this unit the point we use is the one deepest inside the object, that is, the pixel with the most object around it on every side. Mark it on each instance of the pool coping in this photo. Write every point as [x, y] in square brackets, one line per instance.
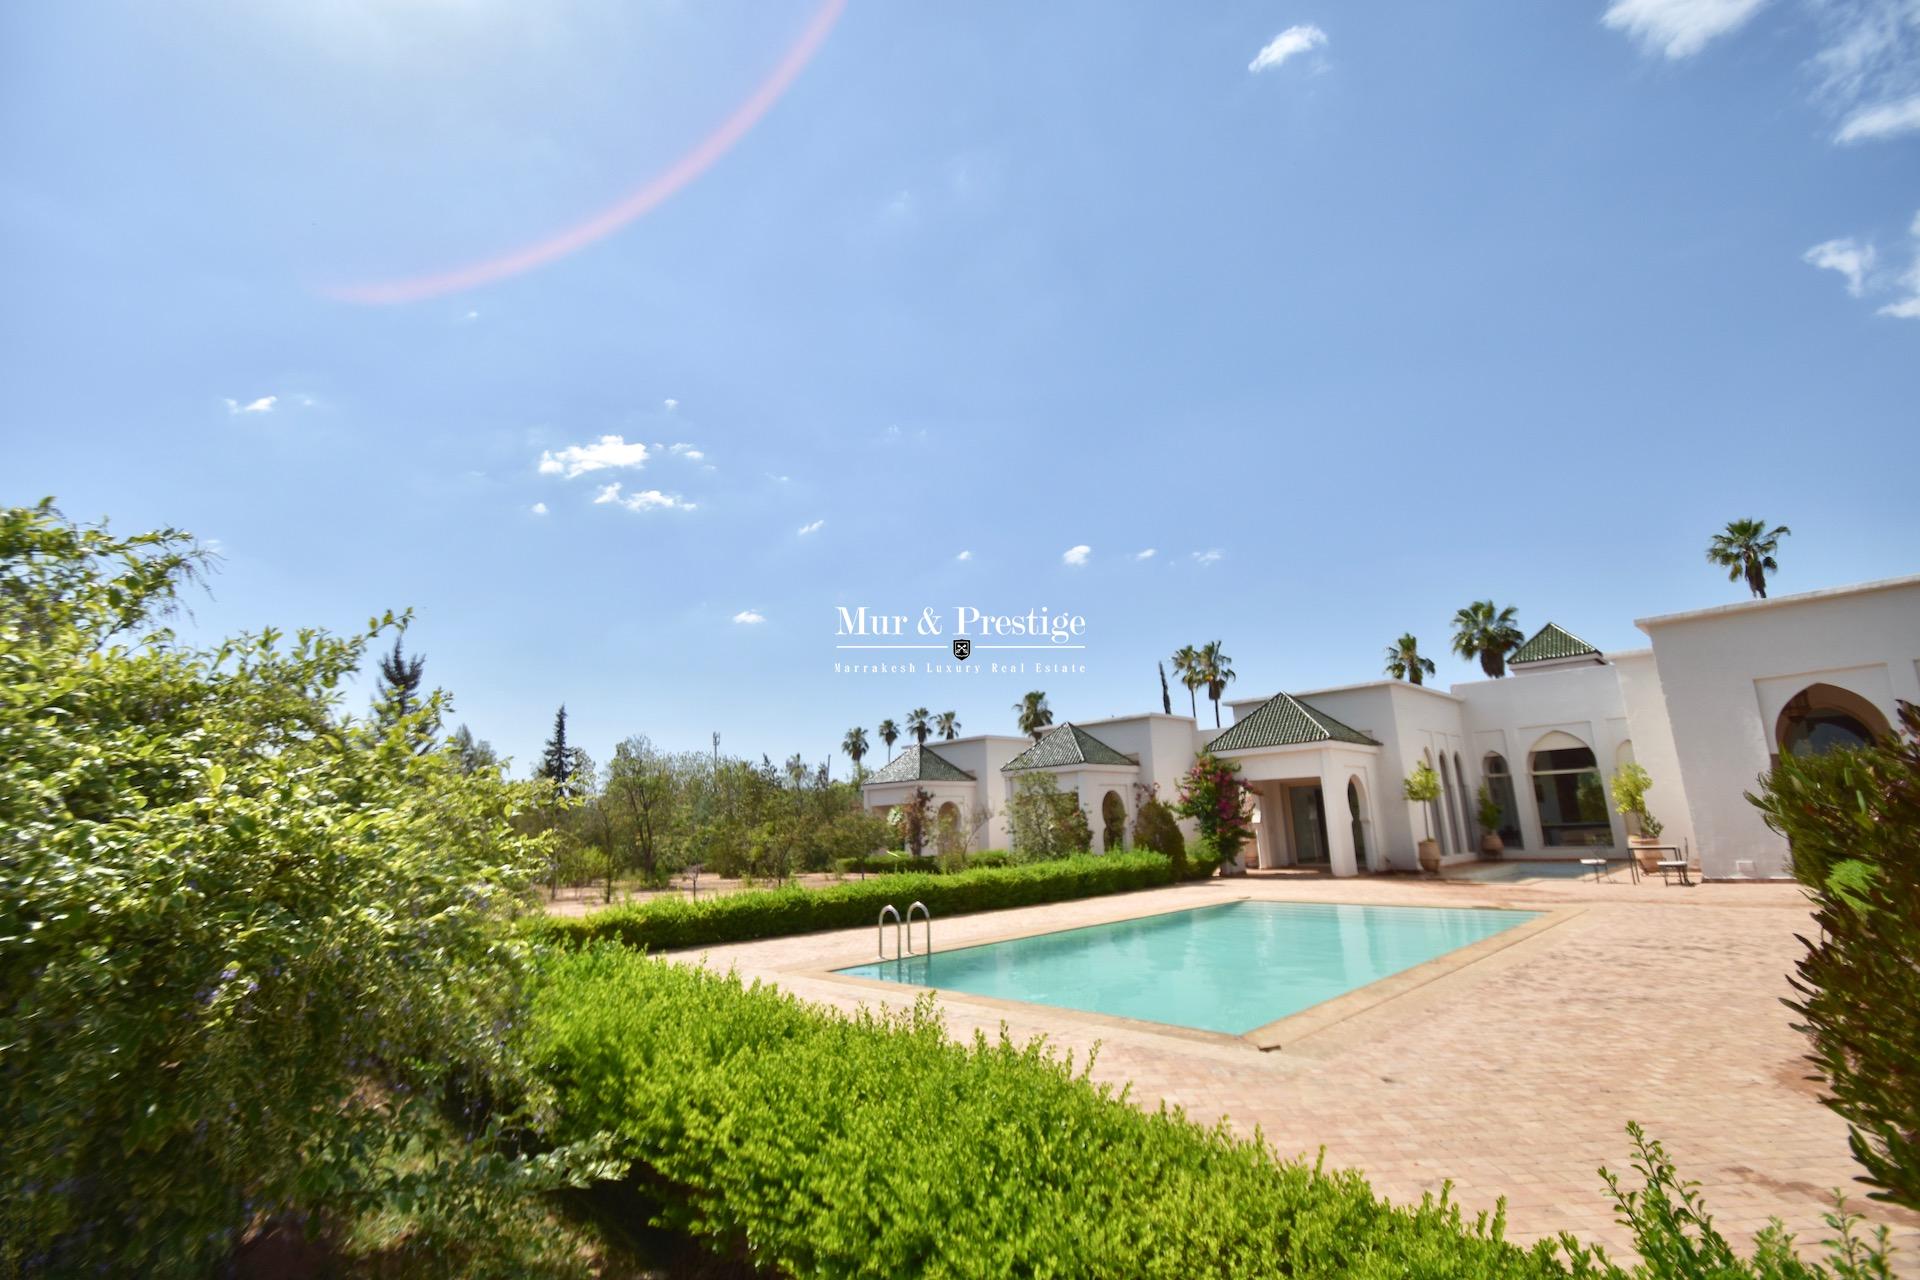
[1267, 1038]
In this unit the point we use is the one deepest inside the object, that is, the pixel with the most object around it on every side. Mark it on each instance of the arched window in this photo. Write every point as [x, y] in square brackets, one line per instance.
[946, 828]
[1500, 782]
[1113, 821]
[1437, 810]
[1567, 787]
[1453, 802]
[1823, 718]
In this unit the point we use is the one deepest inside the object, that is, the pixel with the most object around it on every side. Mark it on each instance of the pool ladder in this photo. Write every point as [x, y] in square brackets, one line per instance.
[900, 951]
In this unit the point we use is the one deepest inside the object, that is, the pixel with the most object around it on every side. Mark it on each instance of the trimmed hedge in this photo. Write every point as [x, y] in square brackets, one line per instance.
[883, 864]
[873, 1146]
[773, 913]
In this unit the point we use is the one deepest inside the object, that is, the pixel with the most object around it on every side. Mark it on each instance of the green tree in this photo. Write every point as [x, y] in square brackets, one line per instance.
[474, 754]
[1186, 665]
[947, 723]
[397, 693]
[557, 759]
[855, 745]
[1211, 794]
[1852, 822]
[1045, 822]
[889, 733]
[1482, 631]
[1035, 716]
[219, 893]
[1216, 672]
[1166, 697]
[919, 724]
[642, 796]
[1745, 550]
[1405, 663]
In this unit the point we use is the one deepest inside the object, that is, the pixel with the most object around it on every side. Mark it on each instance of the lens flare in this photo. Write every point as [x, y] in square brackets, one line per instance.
[656, 191]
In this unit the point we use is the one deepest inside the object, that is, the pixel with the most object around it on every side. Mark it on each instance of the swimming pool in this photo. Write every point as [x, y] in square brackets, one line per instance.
[1230, 968]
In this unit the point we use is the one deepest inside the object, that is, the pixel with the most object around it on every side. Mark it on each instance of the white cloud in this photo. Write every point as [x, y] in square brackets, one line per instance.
[1885, 120]
[1297, 39]
[1908, 308]
[671, 404]
[469, 317]
[813, 526]
[263, 405]
[964, 555]
[1678, 28]
[1148, 554]
[749, 617]
[1075, 557]
[687, 451]
[1849, 257]
[606, 452]
[539, 508]
[1211, 556]
[779, 479]
[644, 500]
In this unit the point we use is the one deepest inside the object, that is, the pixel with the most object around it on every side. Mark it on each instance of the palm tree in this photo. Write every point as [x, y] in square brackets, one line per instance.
[1034, 714]
[1186, 665]
[855, 745]
[919, 725]
[947, 723]
[889, 733]
[1484, 632]
[1404, 661]
[1216, 670]
[1746, 550]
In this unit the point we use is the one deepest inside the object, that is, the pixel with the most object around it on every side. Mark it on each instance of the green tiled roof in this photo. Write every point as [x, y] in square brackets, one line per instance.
[920, 764]
[1068, 744]
[1285, 721]
[1550, 642]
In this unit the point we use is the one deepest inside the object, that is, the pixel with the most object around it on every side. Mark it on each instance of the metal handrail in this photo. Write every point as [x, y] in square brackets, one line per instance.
[926, 915]
[880, 932]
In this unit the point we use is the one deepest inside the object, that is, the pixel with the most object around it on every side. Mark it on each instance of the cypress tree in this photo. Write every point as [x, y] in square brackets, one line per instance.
[556, 761]
[400, 678]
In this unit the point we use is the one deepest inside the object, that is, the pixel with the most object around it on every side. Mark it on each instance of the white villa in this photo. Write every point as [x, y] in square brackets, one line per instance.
[1705, 709]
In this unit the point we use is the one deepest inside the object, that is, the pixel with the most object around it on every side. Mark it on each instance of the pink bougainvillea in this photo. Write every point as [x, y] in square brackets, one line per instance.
[1212, 795]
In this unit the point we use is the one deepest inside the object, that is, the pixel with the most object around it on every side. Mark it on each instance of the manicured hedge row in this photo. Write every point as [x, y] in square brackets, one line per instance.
[874, 1146]
[773, 913]
[875, 864]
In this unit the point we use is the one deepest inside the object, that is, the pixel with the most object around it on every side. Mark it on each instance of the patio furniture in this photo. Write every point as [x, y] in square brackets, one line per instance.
[1676, 862]
[1599, 866]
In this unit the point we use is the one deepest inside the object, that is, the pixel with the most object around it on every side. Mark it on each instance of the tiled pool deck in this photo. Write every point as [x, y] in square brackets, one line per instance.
[1512, 1070]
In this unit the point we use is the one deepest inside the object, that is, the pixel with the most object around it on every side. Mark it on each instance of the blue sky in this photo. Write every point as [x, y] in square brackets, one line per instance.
[1350, 314]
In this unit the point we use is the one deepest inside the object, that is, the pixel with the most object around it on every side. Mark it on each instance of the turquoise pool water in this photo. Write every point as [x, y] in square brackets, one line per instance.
[1229, 968]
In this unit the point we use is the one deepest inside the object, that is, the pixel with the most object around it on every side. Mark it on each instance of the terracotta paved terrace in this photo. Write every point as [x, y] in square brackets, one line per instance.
[1513, 1073]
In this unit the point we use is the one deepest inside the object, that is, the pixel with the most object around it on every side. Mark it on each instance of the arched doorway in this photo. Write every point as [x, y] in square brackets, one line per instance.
[1569, 793]
[1436, 820]
[1357, 814]
[1824, 717]
[1466, 805]
[1500, 783]
[1452, 843]
[1113, 822]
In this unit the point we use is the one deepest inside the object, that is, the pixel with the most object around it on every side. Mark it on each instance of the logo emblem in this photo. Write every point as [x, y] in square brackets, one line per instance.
[962, 648]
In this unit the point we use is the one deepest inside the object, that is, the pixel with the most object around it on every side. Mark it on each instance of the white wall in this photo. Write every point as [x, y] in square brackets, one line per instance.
[1411, 722]
[1725, 673]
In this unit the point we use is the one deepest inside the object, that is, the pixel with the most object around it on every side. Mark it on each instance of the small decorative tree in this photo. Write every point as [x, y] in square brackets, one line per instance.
[1630, 785]
[1422, 786]
[913, 820]
[1212, 796]
[1154, 828]
[1490, 814]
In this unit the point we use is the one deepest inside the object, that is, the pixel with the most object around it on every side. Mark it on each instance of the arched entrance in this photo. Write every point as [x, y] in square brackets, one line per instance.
[1824, 717]
[1569, 793]
[1113, 821]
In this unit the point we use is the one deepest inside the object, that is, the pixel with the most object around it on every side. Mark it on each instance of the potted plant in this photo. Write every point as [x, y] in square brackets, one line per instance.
[1490, 814]
[1630, 786]
[1422, 786]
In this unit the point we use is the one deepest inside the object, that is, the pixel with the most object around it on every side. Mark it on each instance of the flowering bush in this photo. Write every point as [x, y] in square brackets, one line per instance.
[1211, 794]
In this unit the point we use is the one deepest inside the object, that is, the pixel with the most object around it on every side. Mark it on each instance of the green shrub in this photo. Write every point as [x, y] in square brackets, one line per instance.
[817, 1145]
[1852, 820]
[667, 924]
[1156, 828]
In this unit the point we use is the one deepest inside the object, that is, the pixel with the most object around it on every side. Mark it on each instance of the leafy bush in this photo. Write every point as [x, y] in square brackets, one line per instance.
[1211, 795]
[246, 945]
[1852, 820]
[1045, 822]
[1155, 828]
[913, 1155]
[1630, 785]
[740, 917]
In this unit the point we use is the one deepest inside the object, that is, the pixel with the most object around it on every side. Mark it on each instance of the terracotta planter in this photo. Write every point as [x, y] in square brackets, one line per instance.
[1645, 851]
[1492, 845]
[1430, 857]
